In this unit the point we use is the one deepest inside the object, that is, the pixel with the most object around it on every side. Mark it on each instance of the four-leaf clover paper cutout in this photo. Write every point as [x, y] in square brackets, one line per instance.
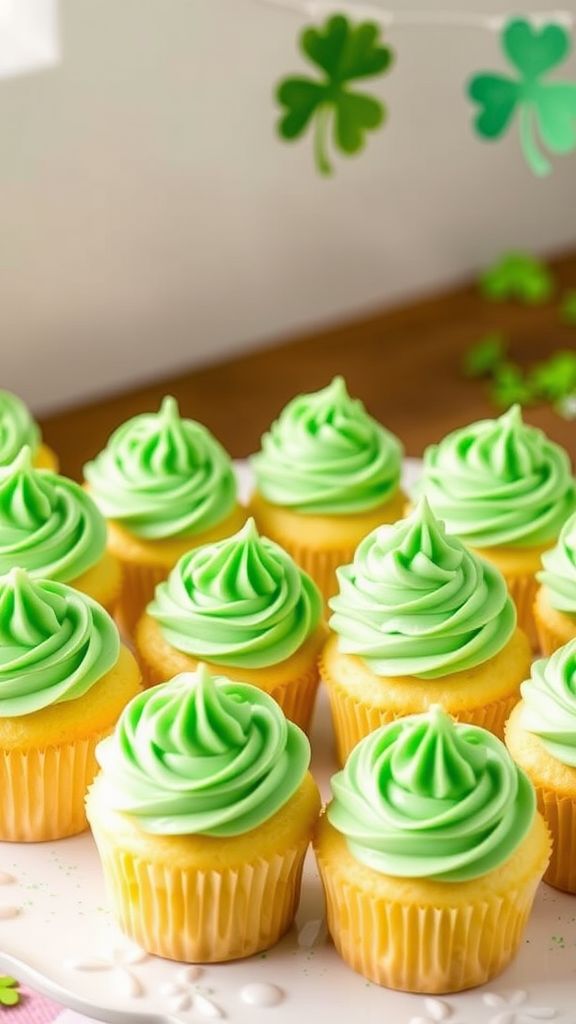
[517, 275]
[343, 53]
[9, 994]
[546, 109]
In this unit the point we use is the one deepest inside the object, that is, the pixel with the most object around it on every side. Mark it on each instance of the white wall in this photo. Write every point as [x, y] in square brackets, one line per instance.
[149, 218]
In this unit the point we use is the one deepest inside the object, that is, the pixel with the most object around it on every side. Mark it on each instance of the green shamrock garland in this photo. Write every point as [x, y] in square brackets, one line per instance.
[546, 109]
[343, 53]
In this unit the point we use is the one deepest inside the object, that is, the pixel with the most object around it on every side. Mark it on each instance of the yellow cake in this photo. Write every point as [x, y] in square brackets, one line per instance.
[409, 906]
[541, 737]
[197, 869]
[61, 691]
[326, 475]
[165, 485]
[420, 620]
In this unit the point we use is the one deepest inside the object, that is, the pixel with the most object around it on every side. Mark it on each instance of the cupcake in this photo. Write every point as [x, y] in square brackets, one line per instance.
[555, 604]
[541, 737]
[327, 474]
[52, 528]
[202, 815]
[420, 620]
[17, 428]
[64, 679]
[505, 489]
[430, 854]
[165, 485]
[240, 605]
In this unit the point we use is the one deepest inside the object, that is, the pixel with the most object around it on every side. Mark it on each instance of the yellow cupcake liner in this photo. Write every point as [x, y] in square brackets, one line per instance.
[560, 814]
[424, 949]
[43, 790]
[549, 639]
[320, 565]
[138, 585]
[522, 590]
[296, 697]
[202, 916]
[353, 720]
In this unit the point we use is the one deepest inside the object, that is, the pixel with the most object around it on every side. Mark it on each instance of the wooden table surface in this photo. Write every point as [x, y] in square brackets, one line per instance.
[404, 363]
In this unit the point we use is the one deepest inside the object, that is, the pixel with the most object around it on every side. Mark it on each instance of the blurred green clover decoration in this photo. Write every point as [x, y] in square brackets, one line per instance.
[343, 53]
[546, 109]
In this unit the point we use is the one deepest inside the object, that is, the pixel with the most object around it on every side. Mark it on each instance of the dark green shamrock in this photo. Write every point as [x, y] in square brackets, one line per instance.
[520, 276]
[510, 386]
[568, 308]
[546, 110]
[9, 994]
[343, 52]
[484, 358]
[556, 378]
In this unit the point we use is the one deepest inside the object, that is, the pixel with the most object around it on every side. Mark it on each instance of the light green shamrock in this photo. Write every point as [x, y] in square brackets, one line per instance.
[520, 276]
[546, 109]
[9, 994]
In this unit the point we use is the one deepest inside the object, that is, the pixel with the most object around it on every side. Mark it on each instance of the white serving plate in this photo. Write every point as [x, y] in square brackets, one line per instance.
[57, 936]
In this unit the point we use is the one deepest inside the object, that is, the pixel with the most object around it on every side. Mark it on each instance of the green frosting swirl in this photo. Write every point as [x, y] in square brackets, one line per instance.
[425, 797]
[48, 524]
[549, 709]
[500, 482]
[163, 476]
[17, 428]
[325, 455]
[202, 755]
[241, 602]
[559, 574]
[55, 643]
[416, 602]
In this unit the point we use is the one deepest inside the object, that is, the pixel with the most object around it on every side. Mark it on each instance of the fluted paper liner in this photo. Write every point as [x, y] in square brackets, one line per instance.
[138, 586]
[418, 947]
[353, 719]
[202, 916]
[522, 590]
[43, 790]
[320, 565]
[560, 814]
[296, 697]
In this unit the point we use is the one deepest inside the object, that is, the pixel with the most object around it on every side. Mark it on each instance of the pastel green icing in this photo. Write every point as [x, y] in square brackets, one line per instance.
[55, 643]
[559, 574]
[240, 602]
[549, 708]
[416, 602]
[325, 455]
[425, 797]
[500, 482]
[48, 524]
[202, 755]
[163, 476]
[17, 428]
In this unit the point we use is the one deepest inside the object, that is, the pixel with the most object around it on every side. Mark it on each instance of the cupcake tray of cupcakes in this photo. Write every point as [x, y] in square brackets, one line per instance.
[289, 636]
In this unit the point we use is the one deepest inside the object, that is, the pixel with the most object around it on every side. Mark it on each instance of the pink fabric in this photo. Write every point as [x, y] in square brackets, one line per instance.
[36, 1009]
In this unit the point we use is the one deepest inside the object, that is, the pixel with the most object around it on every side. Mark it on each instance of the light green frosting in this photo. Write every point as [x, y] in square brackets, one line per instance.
[500, 482]
[559, 574]
[416, 602]
[549, 708]
[163, 476]
[425, 797]
[55, 643]
[325, 455]
[240, 602]
[48, 524]
[202, 755]
[17, 428]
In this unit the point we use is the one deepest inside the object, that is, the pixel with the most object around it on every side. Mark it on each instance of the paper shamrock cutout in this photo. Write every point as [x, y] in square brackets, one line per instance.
[9, 994]
[343, 52]
[546, 109]
[510, 386]
[568, 308]
[556, 378]
[520, 276]
[485, 356]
